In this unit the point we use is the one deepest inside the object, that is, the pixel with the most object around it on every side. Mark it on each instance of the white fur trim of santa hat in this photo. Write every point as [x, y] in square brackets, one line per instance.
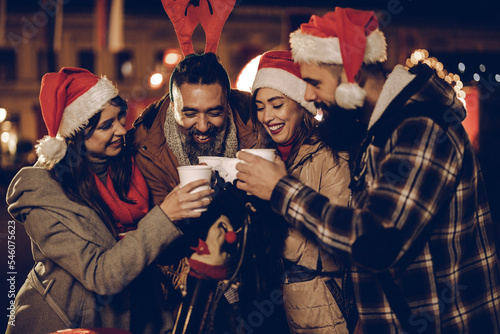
[284, 82]
[51, 150]
[76, 115]
[313, 49]
[350, 96]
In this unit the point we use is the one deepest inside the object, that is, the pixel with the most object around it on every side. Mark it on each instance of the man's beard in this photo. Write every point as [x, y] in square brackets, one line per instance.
[193, 149]
[341, 129]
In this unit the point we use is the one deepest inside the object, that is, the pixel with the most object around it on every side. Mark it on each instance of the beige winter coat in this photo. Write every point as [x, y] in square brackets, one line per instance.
[309, 305]
[82, 276]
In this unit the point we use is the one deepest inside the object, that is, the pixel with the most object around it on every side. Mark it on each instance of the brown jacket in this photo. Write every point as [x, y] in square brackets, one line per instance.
[309, 304]
[157, 161]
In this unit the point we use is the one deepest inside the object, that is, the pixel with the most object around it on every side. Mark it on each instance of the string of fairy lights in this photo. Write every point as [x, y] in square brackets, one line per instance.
[422, 56]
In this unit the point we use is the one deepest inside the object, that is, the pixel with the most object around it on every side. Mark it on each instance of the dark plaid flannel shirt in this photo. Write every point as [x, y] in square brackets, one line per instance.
[453, 285]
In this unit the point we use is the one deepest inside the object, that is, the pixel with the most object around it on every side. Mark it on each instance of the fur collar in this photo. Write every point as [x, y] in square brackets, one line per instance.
[396, 81]
[174, 142]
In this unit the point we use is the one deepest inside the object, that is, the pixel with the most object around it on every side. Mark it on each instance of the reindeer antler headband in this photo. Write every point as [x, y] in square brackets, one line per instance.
[187, 14]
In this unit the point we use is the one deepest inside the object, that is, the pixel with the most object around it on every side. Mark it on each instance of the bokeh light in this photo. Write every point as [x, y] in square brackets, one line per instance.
[156, 80]
[246, 77]
[172, 58]
[422, 56]
[3, 114]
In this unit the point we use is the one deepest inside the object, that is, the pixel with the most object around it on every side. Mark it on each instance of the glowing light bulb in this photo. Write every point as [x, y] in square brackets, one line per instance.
[3, 114]
[156, 80]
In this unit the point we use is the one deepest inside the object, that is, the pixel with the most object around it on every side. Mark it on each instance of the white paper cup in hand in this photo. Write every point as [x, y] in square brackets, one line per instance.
[265, 153]
[188, 174]
[210, 161]
[227, 169]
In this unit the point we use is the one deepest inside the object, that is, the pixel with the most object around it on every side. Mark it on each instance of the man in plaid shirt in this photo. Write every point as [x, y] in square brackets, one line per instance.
[419, 233]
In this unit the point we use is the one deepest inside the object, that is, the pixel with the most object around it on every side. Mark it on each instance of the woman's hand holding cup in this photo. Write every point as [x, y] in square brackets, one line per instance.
[183, 203]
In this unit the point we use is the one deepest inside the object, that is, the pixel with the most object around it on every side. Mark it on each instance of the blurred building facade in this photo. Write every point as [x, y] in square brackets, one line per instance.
[36, 42]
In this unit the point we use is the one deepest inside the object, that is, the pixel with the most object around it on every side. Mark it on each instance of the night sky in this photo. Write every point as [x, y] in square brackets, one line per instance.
[483, 13]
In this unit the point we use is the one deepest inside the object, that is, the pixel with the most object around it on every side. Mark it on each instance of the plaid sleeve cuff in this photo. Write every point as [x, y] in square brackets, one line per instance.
[283, 193]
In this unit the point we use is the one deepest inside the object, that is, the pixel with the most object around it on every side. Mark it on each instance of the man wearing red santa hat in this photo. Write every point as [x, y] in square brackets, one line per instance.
[419, 234]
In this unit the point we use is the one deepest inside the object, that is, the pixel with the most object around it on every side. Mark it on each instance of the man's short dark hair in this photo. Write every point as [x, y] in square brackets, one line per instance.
[202, 69]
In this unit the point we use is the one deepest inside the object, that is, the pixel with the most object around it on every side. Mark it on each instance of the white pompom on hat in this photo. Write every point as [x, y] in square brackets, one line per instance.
[68, 100]
[278, 71]
[346, 37]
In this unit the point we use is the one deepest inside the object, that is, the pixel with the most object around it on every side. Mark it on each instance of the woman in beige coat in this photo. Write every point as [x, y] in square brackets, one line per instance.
[285, 121]
[85, 208]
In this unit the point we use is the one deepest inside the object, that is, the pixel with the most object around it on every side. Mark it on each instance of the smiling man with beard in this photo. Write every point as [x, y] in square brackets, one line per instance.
[419, 233]
[202, 116]
[203, 123]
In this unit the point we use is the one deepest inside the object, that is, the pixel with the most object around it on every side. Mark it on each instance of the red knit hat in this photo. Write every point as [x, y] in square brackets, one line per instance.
[278, 71]
[68, 100]
[347, 37]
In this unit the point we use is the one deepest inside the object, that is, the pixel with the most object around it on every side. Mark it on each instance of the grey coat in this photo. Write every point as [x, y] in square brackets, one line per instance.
[82, 274]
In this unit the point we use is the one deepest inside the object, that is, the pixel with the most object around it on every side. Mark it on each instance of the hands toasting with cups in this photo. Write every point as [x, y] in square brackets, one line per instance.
[257, 172]
[259, 175]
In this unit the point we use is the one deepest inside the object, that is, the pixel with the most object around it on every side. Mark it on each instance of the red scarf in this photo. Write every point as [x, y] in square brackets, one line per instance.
[286, 148]
[125, 215]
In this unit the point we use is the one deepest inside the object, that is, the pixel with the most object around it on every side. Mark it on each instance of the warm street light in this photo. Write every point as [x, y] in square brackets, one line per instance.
[3, 114]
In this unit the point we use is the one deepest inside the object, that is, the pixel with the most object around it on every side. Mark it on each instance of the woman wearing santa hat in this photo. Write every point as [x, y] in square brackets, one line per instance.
[313, 281]
[85, 207]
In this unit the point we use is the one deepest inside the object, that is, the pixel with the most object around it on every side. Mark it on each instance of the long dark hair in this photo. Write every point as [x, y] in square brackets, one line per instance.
[75, 175]
[306, 132]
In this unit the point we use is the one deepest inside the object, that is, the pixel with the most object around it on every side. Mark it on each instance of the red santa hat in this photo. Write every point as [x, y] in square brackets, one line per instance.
[68, 100]
[278, 71]
[346, 37]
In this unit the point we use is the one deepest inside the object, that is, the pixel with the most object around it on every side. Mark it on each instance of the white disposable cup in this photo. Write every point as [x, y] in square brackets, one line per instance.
[188, 174]
[265, 153]
[210, 161]
[227, 169]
